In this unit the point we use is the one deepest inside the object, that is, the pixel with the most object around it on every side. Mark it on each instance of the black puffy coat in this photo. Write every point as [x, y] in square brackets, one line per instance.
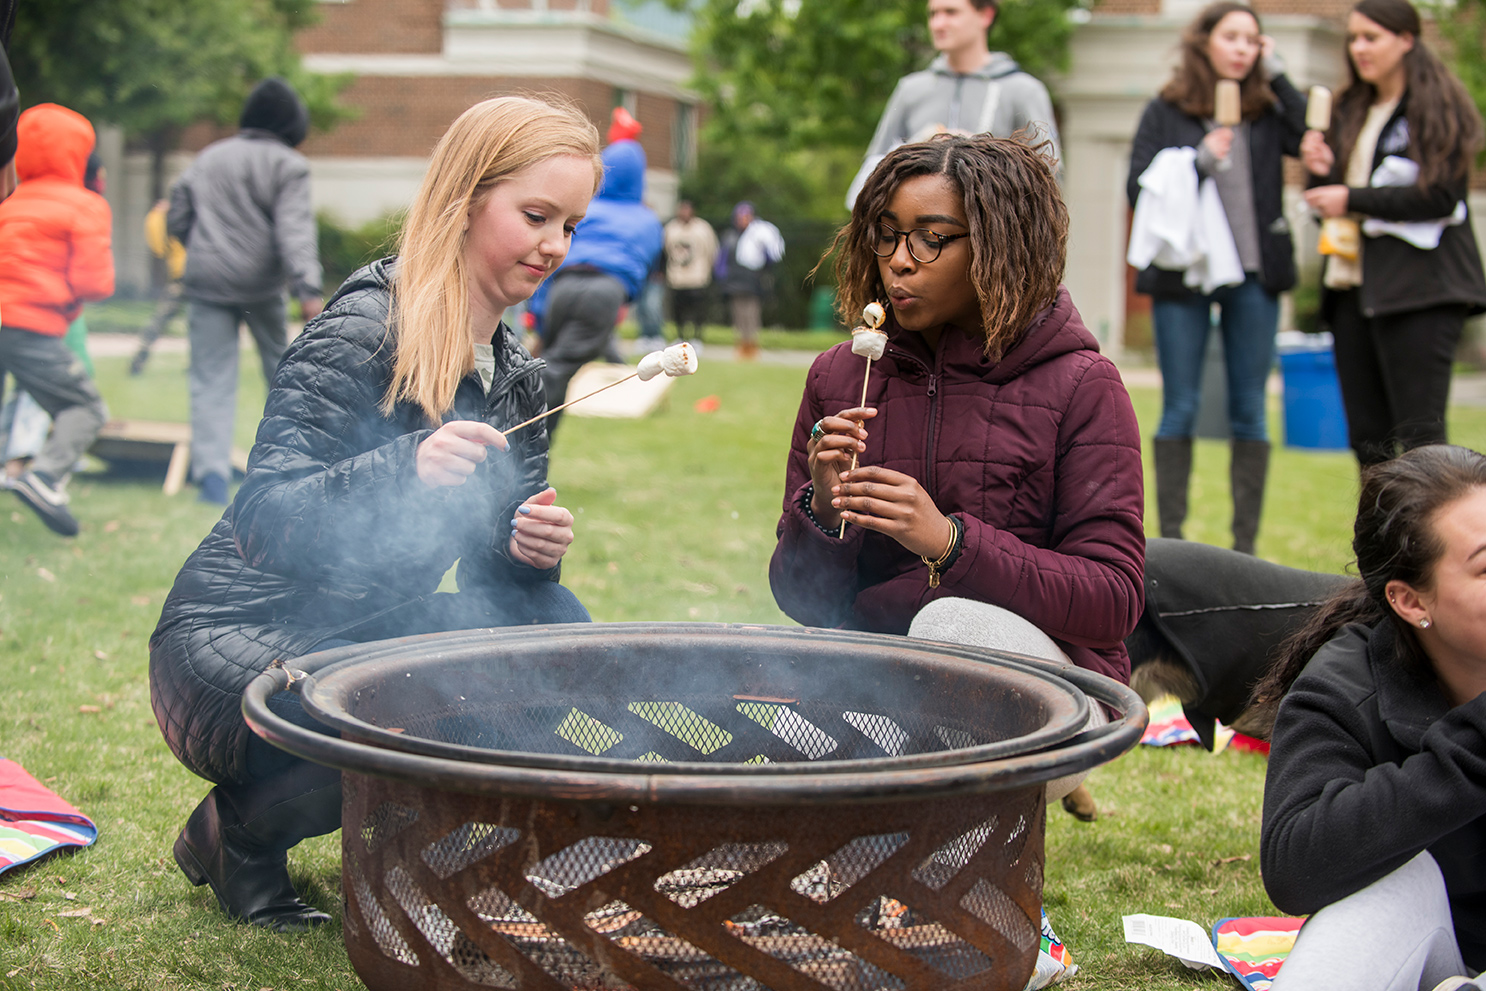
[1397, 277]
[332, 534]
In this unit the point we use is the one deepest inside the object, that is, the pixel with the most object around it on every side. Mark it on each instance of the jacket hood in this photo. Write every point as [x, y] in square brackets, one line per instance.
[1056, 330]
[1000, 64]
[624, 172]
[53, 142]
[275, 107]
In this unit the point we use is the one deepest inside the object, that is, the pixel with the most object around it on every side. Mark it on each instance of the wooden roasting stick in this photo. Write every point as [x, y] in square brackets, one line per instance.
[870, 343]
[678, 359]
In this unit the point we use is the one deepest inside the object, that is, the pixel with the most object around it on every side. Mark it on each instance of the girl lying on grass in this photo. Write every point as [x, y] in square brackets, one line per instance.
[1377, 773]
[379, 463]
[999, 497]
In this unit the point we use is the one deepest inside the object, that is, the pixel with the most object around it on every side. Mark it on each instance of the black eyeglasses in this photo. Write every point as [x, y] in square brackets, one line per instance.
[924, 245]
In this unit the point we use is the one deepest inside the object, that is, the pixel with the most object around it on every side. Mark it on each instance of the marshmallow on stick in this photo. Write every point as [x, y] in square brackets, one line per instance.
[677, 360]
[871, 343]
[1318, 109]
[1227, 104]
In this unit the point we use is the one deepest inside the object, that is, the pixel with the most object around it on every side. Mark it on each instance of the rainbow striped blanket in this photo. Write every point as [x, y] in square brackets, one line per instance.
[1254, 948]
[34, 821]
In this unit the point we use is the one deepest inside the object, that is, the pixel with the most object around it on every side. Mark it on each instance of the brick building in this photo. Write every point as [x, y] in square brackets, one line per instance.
[418, 64]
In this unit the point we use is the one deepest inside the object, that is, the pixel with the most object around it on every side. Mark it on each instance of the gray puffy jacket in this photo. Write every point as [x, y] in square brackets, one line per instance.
[242, 210]
[332, 535]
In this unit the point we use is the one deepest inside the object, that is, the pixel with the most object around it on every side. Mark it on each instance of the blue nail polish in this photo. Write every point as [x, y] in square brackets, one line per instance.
[524, 509]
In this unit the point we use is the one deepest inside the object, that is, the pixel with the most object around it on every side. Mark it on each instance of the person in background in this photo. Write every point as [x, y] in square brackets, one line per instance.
[691, 251]
[750, 249]
[967, 89]
[55, 254]
[1377, 767]
[613, 251]
[650, 308]
[1397, 162]
[1245, 162]
[379, 463]
[242, 209]
[172, 253]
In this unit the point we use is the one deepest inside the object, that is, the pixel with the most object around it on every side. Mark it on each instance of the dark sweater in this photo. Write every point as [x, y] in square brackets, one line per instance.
[1396, 276]
[1369, 766]
[1273, 135]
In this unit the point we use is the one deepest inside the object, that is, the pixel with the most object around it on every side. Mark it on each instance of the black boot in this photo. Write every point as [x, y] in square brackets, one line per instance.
[1173, 468]
[238, 837]
[1247, 474]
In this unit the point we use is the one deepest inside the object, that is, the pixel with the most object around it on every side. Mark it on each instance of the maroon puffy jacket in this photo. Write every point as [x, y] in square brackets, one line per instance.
[1039, 453]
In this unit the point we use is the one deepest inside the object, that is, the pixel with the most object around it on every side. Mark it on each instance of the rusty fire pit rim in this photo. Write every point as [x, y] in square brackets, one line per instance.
[1087, 750]
[329, 705]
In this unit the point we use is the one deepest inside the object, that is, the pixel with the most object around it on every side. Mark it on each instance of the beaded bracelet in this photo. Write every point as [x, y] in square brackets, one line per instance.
[805, 505]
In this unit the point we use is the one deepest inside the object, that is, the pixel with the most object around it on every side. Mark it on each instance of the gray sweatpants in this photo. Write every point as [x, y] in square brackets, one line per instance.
[1396, 934]
[55, 377]
[980, 624]
[212, 331]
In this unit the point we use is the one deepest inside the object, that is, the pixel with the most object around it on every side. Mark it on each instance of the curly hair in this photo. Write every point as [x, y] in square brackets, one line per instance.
[1018, 228]
[1194, 83]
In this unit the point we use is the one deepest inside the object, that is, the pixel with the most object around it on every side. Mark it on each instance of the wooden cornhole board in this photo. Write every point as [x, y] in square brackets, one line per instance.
[151, 440]
[631, 400]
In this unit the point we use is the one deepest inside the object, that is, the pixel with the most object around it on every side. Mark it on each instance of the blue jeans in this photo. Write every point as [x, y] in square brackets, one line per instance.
[1249, 314]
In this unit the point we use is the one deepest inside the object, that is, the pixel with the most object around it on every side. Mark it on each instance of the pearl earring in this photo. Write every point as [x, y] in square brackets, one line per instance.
[1423, 624]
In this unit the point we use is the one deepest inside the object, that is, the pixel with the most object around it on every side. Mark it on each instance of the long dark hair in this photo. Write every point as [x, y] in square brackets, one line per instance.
[1394, 540]
[1444, 125]
[1018, 228]
[1194, 82]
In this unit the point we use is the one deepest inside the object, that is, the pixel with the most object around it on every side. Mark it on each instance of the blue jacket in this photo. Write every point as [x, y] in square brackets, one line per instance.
[620, 235]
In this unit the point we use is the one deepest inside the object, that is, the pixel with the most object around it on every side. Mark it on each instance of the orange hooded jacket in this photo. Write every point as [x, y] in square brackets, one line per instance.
[55, 234]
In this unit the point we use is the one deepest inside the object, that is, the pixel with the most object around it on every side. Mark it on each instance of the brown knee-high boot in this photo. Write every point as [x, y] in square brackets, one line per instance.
[1247, 474]
[1173, 469]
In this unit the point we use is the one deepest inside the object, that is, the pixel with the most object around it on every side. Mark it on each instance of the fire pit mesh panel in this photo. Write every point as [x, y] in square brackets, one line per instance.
[707, 729]
[530, 894]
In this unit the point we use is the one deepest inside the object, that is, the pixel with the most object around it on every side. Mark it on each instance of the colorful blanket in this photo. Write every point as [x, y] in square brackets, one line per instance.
[34, 821]
[1169, 727]
[1254, 948]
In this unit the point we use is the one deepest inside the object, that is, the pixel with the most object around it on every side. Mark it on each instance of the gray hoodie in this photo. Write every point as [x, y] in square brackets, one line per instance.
[998, 98]
[243, 211]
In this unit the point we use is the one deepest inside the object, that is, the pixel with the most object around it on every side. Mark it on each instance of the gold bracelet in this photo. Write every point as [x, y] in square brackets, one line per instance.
[934, 566]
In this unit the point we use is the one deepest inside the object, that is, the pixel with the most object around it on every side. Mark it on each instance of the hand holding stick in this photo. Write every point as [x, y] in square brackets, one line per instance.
[676, 360]
[869, 342]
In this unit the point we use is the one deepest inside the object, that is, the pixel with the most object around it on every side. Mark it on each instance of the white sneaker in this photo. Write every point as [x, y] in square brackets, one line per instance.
[49, 501]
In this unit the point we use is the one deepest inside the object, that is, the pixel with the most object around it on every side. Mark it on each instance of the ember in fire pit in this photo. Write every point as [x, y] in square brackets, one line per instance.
[713, 808]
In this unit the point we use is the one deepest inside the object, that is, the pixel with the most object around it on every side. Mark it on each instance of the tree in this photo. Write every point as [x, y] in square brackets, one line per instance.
[794, 88]
[154, 67]
[1462, 26]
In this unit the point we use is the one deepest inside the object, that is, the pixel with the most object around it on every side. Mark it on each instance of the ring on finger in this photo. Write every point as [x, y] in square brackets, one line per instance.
[817, 431]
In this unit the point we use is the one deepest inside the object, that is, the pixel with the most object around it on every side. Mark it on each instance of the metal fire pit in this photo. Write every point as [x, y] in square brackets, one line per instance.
[688, 806]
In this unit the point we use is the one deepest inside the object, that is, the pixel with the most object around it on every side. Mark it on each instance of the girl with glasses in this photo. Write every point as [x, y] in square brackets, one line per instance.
[998, 499]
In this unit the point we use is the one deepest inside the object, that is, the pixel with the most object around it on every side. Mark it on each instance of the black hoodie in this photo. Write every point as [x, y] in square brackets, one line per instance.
[274, 106]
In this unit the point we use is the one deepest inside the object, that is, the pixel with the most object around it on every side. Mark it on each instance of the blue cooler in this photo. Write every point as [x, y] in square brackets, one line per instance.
[1314, 415]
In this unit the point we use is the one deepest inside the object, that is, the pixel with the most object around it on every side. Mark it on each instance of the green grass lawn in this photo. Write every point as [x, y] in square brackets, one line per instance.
[675, 522]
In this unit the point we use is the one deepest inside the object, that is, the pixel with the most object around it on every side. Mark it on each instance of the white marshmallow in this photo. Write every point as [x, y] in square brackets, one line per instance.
[678, 359]
[873, 315]
[869, 344]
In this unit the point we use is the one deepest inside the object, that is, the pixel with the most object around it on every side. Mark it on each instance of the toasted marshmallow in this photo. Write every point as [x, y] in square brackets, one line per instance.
[678, 359]
[873, 315]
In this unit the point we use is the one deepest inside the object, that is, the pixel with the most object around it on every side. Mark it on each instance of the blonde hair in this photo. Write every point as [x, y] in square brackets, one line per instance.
[429, 319]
